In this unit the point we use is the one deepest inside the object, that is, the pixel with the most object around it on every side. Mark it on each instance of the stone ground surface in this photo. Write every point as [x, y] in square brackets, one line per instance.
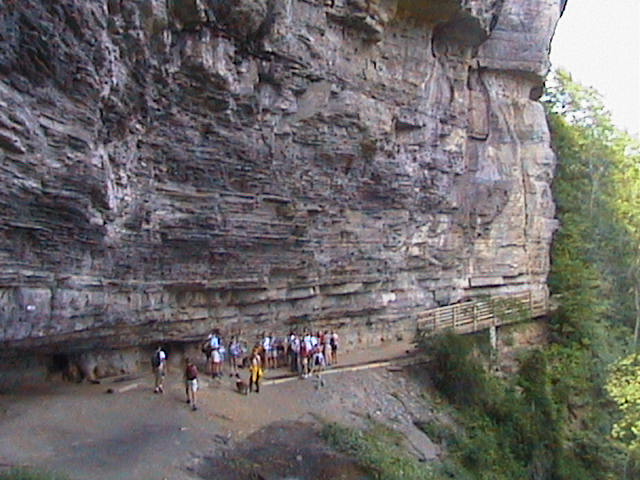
[86, 433]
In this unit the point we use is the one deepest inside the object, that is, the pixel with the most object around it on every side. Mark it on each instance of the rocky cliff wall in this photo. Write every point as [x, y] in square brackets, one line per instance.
[171, 165]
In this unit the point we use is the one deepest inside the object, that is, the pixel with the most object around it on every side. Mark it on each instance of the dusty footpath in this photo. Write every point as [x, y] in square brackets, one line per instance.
[86, 433]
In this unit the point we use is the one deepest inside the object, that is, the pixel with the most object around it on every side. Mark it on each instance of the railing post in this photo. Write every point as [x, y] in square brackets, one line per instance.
[454, 317]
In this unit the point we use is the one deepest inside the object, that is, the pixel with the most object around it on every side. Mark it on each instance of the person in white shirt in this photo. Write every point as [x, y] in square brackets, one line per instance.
[294, 352]
[267, 345]
[334, 347]
[159, 364]
[214, 340]
[216, 363]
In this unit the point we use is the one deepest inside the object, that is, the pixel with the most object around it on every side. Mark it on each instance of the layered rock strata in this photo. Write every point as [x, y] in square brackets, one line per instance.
[172, 165]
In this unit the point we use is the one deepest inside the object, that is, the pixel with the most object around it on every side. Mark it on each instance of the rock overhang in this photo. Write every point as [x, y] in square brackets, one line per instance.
[399, 137]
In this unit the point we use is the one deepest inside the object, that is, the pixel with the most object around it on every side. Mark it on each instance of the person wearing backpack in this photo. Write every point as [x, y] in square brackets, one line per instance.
[159, 365]
[191, 382]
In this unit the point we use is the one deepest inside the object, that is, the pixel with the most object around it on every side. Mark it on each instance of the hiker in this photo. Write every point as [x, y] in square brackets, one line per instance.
[214, 339]
[317, 360]
[255, 371]
[235, 354]
[334, 347]
[223, 353]
[191, 382]
[216, 363]
[216, 350]
[206, 349]
[259, 349]
[305, 353]
[294, 352]
[278, 347]
[159, 365]
[318, 365]
[267, 345]
[327, 350]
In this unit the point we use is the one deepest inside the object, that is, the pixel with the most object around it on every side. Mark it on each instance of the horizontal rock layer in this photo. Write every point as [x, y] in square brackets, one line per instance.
[171, 165]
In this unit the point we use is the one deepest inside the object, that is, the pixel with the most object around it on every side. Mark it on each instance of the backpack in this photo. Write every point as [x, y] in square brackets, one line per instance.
[192, 372]
[207, 348]
[155, 360]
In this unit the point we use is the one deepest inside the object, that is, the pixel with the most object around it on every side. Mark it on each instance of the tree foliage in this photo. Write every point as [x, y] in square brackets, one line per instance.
[624, 387]
[555, 419]
[596, 255]
[595, 266]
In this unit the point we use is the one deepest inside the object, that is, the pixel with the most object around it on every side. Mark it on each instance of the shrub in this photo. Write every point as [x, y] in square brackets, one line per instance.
[462, 381]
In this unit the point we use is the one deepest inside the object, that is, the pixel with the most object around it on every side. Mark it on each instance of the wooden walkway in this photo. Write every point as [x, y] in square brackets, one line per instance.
[397, 362]
[467, 317]
[481, 314]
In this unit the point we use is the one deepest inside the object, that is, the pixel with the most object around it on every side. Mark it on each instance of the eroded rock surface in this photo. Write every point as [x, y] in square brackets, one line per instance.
[171, 165]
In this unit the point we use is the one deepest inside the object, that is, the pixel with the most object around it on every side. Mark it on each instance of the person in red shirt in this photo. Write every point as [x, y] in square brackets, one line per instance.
[191, 382]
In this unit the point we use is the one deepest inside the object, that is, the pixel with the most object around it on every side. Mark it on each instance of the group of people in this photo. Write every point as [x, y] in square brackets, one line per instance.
[303, 353]
[159, 365]
[309, 352]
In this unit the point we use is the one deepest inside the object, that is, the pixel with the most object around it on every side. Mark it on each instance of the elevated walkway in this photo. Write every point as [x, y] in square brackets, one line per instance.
[482, 314]
[468, 317]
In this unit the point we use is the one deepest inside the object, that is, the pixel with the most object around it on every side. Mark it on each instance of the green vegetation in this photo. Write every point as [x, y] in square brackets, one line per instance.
[556, 418]
[28, 474]
[379, 449]
[596, 269]
[624, 387]
[509, 428]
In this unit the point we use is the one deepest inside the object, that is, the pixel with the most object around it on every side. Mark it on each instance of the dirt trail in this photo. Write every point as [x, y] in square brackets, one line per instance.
[88, 434]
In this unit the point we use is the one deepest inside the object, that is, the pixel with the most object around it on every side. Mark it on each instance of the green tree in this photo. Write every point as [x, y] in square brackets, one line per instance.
[624, 387]
[595, 266]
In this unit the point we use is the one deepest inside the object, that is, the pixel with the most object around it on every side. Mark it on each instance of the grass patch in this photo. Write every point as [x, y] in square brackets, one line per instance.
[30, 474]
[379, 449]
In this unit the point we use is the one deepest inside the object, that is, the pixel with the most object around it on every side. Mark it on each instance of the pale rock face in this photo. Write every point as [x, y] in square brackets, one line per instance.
[169, 166]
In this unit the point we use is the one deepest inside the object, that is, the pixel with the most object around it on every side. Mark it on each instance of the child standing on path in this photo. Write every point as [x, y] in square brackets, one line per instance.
[191, 382]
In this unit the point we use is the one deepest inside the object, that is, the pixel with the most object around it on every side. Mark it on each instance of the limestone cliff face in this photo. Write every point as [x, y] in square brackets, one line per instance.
[170, 165]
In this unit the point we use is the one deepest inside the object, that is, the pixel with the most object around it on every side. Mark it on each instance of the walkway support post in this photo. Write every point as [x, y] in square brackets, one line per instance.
[493, 340]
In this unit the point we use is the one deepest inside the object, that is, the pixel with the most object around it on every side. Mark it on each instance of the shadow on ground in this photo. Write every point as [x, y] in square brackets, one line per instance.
[283, 450]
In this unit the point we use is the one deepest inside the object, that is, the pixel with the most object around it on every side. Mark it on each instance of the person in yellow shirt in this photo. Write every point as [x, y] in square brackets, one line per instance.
[255, 371]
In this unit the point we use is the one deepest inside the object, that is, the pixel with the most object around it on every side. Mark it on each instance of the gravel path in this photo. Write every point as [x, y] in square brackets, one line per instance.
[86, 433]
